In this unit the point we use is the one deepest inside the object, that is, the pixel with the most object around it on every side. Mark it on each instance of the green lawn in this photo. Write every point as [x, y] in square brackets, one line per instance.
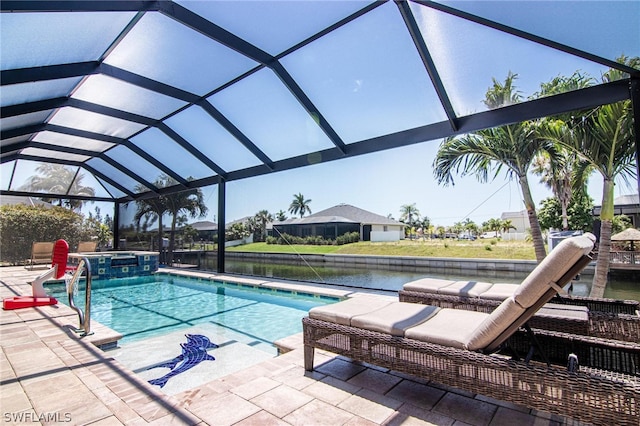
[479, 249]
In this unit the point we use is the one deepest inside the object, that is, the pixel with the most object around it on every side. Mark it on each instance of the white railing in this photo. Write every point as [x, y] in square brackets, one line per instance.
[626, 257]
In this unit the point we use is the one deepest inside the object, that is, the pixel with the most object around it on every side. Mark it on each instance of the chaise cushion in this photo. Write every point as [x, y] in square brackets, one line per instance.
[499, 291]
[395, 318]
[494, 324]
[448, 327]
[552, 268]
[429, 285]
[465, 288]
[343, 312]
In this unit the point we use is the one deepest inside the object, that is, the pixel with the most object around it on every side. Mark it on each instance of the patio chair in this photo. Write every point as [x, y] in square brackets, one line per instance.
[87, 246]
[458, 347]
[606, 318]
[41, 253]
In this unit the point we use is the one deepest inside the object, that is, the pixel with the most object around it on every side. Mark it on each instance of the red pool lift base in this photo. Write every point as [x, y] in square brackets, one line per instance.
[27, 302]
[39, 297]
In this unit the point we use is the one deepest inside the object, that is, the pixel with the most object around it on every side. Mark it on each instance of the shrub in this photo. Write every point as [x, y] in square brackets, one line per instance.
[22, 225]
[318, 240]
[488, 248]
[349, 237]
[493, 242]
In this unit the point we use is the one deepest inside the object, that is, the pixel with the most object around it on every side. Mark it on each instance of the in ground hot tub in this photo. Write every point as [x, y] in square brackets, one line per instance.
[118, 264]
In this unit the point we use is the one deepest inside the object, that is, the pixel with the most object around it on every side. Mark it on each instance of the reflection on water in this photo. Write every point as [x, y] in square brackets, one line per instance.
[620, 286]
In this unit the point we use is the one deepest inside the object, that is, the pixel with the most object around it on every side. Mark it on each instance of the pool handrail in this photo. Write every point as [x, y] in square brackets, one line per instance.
[84, 318]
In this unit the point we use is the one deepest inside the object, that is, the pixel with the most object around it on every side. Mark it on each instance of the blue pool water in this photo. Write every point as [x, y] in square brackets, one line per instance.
[144, 307]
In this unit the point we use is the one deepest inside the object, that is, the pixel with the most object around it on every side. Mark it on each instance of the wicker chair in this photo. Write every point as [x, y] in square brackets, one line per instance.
[605, 318]
[458, 347]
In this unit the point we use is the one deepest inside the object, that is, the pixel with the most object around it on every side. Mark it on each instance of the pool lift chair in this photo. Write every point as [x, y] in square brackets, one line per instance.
[466, 349]
[58, 270]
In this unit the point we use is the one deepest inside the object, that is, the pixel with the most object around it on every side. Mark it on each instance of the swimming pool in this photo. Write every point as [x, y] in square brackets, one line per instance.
[142, 307]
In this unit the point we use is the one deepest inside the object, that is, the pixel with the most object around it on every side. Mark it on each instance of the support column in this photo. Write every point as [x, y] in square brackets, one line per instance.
[635, 108]
[221, 223]
[116, 225]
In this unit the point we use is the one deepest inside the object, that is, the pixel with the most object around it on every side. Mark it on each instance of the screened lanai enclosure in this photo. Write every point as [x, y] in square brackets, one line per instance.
[146, 98]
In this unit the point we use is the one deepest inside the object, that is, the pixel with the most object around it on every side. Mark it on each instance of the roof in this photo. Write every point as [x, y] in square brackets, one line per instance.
[124, 93]
[28, 201]
[342, 213]
[626, 200]
[204, 225]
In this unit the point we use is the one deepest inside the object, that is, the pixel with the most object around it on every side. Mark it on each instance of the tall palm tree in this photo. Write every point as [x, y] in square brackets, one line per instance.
[604, 142]
[299, 205]
[556, 167]
[556, 171]
[190, 202]
[407, 214]
[606, 146]
[59, 179]
[486, 152]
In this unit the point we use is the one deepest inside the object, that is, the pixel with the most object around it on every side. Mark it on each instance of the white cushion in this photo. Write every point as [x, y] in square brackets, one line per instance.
[465, 288]
[499, 291]
[394, 318]
[429, 285]
[494, 324]
[342, 312]
[448, 327]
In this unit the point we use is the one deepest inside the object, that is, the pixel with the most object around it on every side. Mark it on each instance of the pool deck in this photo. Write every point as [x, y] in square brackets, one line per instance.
[50, 375]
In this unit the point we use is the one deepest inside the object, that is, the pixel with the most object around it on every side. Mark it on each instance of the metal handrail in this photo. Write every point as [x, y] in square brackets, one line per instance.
[83, 317]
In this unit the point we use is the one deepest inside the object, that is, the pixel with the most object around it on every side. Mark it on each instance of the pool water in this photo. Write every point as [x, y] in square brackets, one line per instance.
[144, 307]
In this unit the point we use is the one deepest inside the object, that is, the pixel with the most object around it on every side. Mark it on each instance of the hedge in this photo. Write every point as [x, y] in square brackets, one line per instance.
[21, 225]
[284, 239]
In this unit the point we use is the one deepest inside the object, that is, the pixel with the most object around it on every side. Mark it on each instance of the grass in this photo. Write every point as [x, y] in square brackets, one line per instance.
[479, 249]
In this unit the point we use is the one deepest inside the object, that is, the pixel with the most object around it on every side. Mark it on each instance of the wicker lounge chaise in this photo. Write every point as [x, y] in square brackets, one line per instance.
[605, 318]
[458, 347]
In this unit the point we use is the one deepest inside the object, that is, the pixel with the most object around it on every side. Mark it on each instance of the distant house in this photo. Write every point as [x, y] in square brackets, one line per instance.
[520, 221]
[628, 205]
[341, 219]
[27, 201]
[207, 230]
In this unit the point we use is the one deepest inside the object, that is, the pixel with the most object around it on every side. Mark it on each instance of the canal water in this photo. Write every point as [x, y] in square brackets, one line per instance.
[620, 286]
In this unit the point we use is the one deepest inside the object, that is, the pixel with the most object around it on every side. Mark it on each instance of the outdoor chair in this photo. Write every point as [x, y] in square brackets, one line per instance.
[460, 348]
[605, 318]
[41, 253]
[86, 246]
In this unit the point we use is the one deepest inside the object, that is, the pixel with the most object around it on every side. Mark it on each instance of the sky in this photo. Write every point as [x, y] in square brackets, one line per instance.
[365, 78]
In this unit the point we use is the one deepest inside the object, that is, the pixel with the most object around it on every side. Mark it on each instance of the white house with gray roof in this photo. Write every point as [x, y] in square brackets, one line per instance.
[341, 219]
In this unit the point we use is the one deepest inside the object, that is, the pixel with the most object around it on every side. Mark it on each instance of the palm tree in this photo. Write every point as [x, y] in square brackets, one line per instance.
[606, 146]
[556, 171]
[486, 152]
[281, 216]
[190, 202]
[604, 143]
[59, 179]
[556, 166]
[506, 225]
[299, 205]
[493, 224]
[407, 213]
[262, 218]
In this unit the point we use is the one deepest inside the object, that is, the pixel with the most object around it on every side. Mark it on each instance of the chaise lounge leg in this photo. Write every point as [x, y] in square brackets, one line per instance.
[308, 357]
